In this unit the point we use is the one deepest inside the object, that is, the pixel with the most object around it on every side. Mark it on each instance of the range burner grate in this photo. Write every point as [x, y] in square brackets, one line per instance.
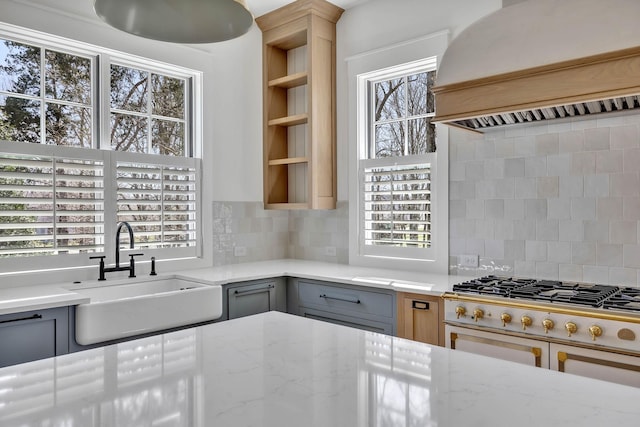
[553, 291]
[626, 299]
[492, 285]
[574, 293]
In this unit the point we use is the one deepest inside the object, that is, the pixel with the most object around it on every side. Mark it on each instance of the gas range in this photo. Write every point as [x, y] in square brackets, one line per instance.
[579, 313]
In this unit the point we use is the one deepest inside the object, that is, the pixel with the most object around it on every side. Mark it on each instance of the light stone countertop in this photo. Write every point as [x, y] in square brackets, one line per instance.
[26, 298]
[399, 280]
[278, 370]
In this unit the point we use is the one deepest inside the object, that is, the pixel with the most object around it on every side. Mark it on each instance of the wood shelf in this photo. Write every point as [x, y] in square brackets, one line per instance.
[286, 206]
[298, 119]
[288, 82]
[288, 161]
[299, 163]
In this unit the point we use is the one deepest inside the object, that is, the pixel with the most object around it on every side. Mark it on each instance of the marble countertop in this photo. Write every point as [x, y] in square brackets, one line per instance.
[278, 370]
[25, 298]
[399, 280]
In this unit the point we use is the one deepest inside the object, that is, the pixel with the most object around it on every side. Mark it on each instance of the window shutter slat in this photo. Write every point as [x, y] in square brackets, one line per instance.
[397, 205]
[159, 201]
[50, 205]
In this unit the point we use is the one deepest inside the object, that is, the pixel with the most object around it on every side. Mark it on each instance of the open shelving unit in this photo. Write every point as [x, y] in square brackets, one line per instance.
[299, 147]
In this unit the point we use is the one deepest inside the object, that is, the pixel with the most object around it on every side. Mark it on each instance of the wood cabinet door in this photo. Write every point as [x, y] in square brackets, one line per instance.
[419, 318]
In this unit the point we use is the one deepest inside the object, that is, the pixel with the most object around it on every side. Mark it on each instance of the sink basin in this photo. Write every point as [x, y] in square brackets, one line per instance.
[133, 308]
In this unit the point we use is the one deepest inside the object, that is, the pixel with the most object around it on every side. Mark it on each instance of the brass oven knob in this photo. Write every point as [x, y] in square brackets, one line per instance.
[571, 328]
[526, 321]
[478, 314]
[547, 324]
[506, 318]
[595, 331]
[460, 311]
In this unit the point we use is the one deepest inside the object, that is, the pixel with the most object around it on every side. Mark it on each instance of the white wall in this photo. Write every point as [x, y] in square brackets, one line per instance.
[381, 23]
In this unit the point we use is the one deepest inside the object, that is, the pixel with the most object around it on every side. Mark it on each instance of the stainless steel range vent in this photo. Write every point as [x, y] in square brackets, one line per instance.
[550, 113]
[542, 60]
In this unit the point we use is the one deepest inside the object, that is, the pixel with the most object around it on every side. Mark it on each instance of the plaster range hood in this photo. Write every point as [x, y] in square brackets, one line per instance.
[542, 60]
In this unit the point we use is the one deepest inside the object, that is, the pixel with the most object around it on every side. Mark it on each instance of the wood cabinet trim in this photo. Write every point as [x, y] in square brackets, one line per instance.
[298, 9]
[592, 78]
[310, 23]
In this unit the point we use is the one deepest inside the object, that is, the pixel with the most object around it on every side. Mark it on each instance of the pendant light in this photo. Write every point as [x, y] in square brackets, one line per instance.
[178, 21]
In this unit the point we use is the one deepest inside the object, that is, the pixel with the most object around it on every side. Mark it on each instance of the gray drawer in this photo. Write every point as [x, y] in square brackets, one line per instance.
[353, 322]
[337, 298]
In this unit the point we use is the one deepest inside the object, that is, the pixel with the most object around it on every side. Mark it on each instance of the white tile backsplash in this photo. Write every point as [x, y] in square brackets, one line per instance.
[277, 234]
[596, 185]
[571, 186]
[560, 200]
[535, 166]
[583, 163]
[624, 184]
[548, 187]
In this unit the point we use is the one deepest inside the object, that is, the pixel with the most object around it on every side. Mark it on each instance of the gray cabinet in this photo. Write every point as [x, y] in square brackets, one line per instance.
[33, 335]
[252, 297]
[371, 309]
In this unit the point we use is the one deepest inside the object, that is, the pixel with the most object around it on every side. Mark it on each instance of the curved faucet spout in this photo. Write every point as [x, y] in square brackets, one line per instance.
[118, 230]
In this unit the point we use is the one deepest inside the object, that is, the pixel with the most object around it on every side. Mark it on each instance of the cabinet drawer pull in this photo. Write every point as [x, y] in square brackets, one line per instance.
[420, 305]
[253, 291]
[35, 316]
[351, 300]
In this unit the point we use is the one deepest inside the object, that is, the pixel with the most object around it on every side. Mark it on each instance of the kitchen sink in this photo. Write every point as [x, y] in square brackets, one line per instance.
[125, 309]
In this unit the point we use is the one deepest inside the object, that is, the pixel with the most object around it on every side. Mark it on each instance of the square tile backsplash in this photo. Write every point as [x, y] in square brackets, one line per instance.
[555, 201]
[246, 232]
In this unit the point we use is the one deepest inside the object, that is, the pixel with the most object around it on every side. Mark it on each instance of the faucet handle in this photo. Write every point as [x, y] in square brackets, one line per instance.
[132, 264]
[153, 267]
[101, 257]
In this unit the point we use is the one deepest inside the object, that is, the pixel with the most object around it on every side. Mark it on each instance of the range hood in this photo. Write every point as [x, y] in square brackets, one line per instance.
[541, 60]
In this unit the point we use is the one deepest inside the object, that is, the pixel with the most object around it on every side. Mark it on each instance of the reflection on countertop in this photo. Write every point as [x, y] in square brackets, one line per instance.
[274, 369]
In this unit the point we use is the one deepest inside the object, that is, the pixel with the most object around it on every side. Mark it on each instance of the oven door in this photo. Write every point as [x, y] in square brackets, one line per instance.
[506, 347]
[598, 364]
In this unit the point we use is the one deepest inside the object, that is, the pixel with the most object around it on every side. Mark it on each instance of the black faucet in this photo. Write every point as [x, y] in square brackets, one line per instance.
[118, 230]
[132, 265]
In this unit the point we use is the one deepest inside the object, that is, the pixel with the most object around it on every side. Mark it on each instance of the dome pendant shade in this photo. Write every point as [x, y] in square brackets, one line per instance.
[177, 21]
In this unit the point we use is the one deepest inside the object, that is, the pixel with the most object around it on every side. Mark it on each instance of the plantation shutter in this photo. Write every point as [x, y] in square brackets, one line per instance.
[50, 205]
[159, 202]
[396, 205]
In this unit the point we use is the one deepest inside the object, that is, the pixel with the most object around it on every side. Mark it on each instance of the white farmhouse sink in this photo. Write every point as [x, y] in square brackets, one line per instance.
[133, 308]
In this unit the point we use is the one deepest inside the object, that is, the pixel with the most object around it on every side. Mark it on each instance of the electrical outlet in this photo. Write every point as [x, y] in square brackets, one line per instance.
[240, 251]
[330, 250]
[468, 261]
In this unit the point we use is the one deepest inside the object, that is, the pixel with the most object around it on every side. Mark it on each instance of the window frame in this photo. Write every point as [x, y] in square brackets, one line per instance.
[417, 54]
[102, 58]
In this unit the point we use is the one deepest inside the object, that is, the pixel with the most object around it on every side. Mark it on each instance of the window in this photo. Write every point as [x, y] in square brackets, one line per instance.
[397, 197]
[84, 146]
[397, 162]
[45, 95]
[147, 112]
